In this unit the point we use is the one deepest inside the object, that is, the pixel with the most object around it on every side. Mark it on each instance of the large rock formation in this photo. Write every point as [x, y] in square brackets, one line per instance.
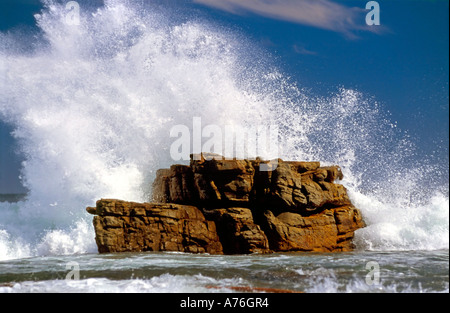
[233, 207]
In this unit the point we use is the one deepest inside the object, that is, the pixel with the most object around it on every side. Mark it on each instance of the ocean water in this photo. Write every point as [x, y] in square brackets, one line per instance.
[406, 272]
[91, 106]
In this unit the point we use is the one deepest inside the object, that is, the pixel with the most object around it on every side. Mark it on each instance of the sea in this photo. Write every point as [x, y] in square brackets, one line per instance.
[91, 106]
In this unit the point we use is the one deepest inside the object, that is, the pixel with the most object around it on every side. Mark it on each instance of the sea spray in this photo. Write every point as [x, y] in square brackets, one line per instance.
[92, 106]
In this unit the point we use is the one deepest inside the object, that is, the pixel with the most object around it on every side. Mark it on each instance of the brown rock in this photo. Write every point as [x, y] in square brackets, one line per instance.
[181, 185]
[302, 167]
[331, 230]
[321, 192]
[127, 226]
[286, 186]
[174, 185]
[222, 180]
[295, 207]
[305, 187]
[160, 187]
[91, 210]
[292, 232]
[238, 232]
[333, 173]
[348, 219]
[206, 188]
[211, 181]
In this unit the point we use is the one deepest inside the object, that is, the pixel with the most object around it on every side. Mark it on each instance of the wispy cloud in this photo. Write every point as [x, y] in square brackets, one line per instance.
[302, 50]
[323, 14]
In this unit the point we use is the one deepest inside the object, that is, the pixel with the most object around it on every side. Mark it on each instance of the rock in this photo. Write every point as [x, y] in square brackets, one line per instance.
[286, 186]
[181, 181]
[234, 207]
[331, 230]
[122, 226]
[305, 187]
[332, 173]
[218, 180]
[174, 185]
[160, 187]
[211, 181]
[302, 167]
[238, 232]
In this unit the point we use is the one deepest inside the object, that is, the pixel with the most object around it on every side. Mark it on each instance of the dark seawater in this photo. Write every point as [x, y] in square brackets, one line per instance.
[12, 197]
[399, 272]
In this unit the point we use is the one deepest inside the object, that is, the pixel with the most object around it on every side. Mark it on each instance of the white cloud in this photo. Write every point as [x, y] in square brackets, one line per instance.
[323, 14]
[302, 50]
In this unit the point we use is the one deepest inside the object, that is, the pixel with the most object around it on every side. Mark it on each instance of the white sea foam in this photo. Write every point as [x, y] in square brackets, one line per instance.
[92, 106]
[165, 283]
[393, 226]
[318, 281]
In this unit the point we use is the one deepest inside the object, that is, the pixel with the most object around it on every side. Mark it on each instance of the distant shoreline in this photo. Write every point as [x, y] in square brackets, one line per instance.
[12, 197]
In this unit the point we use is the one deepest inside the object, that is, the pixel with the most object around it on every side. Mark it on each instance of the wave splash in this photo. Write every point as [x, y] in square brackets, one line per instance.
[92, 106]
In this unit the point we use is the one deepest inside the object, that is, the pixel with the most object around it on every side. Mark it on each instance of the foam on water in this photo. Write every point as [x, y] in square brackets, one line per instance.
[92, 106]
[411, 271]
[165, 283]
[318, 283]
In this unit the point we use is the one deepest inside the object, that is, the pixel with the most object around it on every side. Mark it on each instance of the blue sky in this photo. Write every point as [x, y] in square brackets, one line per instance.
[323, 45]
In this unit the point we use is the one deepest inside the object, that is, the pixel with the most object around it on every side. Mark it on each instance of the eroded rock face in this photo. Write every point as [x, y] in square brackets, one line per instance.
[238, 231]
[331, 230]
[293, 186]
[122, 226]
[233, 207]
